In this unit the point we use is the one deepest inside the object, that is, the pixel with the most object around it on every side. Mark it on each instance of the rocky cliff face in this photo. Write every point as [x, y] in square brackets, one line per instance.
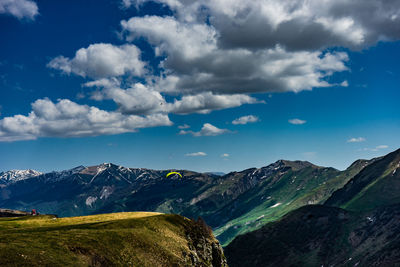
[205, 250]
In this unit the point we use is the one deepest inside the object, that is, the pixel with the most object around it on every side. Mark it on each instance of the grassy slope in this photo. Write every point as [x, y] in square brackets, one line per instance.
[375, 186]
[308, 186]
[132, 238]
[322, 236]
[311, 231]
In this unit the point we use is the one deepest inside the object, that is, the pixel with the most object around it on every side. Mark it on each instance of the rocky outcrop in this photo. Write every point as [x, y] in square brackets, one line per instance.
[204, 249]
[12, 213]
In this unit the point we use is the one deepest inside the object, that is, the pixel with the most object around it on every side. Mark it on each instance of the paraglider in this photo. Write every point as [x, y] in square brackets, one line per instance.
[174, 173]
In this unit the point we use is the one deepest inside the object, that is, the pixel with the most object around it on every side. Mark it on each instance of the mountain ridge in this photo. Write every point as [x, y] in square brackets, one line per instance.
[232, 204]
[357, 225]
[17, 175]
[382, 178]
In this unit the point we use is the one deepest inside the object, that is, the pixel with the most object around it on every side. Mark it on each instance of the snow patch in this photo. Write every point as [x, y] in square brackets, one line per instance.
[106, 192]
[90, 201]
[397, 166]
[276, 205]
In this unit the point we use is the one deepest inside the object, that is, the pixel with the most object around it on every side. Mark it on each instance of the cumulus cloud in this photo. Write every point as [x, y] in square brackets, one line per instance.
[138, 99]
[102, 61]
[19, 8]
[253, 46]
[297, 121]
[206, 102]
[69, 119]
[213, 55]
[196, 154]
[245, 119]
[137, 3]
[356, 140]
[185, 41]
[225, 155]
[207, 130]
[295, 25]
[195, 63]
[143, 99]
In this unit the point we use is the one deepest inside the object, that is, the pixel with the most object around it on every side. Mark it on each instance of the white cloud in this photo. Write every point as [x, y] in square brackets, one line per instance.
[102, 61]
[356, 140]
[185, 126]
[69, 119]
[225, 155]
[296, 25]
[207, 130]
[140, 99]
[382, 147]
[196, 154]
[207, 102]
[137, 3]
[245, 119]
[19, 8]
[297, 121]
[172, 37]
[104, 83]
[213, 55]
[196, 63]
[249, 46]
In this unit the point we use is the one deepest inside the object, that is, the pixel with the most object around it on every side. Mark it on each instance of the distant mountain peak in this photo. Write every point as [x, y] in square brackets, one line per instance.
[77, 169]
[106, 165]
[94, 170]
[97, 169]
[296, 164]
[17, 175]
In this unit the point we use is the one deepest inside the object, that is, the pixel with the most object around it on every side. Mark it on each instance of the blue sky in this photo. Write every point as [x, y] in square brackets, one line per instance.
[115, 81]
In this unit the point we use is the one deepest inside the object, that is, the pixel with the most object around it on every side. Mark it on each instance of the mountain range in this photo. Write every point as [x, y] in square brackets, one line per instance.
[358, 225]
[232, 204]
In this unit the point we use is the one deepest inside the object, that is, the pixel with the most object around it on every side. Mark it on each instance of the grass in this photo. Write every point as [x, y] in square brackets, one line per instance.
[119, 239]
[293, 190]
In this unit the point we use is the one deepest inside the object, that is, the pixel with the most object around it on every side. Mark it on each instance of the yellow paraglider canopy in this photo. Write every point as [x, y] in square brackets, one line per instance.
[173, 173]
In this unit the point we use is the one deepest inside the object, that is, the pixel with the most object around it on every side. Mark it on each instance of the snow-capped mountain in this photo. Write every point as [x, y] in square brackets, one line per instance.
[17, 175]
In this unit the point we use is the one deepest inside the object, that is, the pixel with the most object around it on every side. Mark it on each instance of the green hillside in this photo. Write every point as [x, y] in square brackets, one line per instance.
[375, 186]
[317, 235]
[119, 239]
[275, 197]
[358, 224]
